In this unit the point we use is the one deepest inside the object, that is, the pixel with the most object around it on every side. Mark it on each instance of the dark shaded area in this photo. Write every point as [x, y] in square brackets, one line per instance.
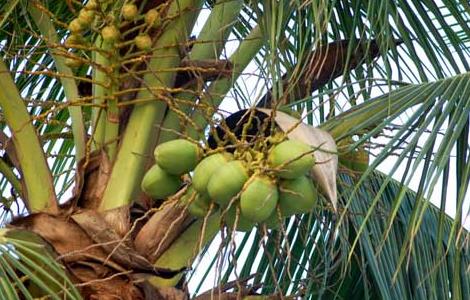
[260, 125]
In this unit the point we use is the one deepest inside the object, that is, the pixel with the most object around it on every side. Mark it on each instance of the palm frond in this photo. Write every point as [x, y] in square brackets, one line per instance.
[29, 270]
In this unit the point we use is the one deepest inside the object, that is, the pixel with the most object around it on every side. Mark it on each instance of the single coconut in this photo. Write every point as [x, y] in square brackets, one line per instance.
[76, 26]
[273, 221]
[227, 182]
[297, 196]
[152, 18]
[243, 224]
[200, 205]
[110, 34]
[259, 198]
[129, 11]
[186, 198]
[158, 184]
[143, 42]
[360, 161]
[294, 159]
[177, 156]
[206, 168]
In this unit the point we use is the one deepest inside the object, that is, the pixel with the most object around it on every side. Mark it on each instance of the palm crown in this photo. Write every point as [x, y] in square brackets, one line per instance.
[91, 88]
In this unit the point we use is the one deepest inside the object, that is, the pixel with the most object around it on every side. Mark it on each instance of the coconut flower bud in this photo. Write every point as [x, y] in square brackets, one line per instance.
[129, 12]
[110, 34]
[152, 18]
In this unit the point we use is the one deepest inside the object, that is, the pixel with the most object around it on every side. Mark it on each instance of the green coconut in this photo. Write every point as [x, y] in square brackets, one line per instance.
[129, 11]
[259, 198]
[243, 224]
[292, 159]
[143, 42]
[360, 161]
[273, 221]
[158, 184]
[177, 156]
[200, 205]
[227, 182]
[297, 196]
[110, 34]
[206, 168]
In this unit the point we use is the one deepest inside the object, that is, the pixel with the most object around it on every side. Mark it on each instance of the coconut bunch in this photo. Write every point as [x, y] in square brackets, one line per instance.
[260, 184]
[99, 16]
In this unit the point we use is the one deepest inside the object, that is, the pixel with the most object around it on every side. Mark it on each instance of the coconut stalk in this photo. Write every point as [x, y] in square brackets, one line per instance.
[39, 189]
[98, 114]
[209, 46]
[49, 32]
[142, 130]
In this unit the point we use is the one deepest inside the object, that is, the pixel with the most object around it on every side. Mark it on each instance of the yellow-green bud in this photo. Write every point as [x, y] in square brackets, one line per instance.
[75, 26]
[110, 34]
[152, 18]
[129, 12]
[143, 42]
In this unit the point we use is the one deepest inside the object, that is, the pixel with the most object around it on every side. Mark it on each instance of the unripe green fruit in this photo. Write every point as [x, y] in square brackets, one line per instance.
[259, 198]
[143, 42]
[273, 221]
[360, 161]
[152, 18]
[227, 182]
[177, 156]
[294, 158]
[129, 11]
[76, 26]
[86, 17]
[297, 196]
[243, 224]
[198, 204]
[110, 34]
[206, 168]
[158, 184]
[73, 62]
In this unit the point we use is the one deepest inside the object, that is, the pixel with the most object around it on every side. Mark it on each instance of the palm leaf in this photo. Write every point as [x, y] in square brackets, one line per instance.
[27, 264]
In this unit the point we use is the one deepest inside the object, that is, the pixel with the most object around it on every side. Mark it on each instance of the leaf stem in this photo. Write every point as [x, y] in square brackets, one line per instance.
[141, 132]
[39, 193]
[47, 29]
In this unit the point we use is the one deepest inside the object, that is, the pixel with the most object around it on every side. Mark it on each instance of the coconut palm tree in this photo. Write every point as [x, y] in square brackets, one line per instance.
[89, 89]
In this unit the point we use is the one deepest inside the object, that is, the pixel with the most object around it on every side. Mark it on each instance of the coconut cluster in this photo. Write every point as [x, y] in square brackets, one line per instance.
[99, 16]
[248, 187]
